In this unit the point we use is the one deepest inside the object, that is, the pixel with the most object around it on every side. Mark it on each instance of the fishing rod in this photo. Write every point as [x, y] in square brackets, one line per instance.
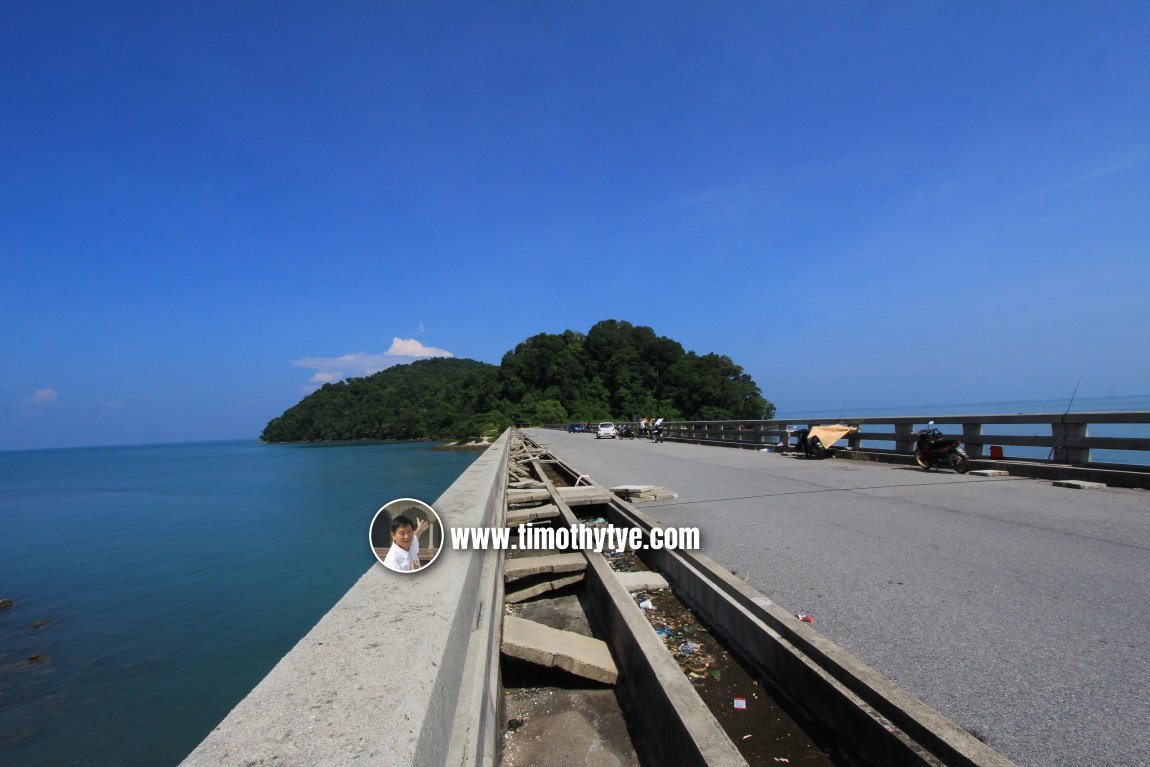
[1069, 404]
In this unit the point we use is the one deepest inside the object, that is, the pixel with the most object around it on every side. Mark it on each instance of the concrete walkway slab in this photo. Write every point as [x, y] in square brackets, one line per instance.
[642, 493]
[582, 496]
[658, 494]
[644, 580]
[534, 590]
[533, 514]
[632, 489]
[580, 655]
[1078, 484]
[516, 497]
[574, 728]
[522, 567]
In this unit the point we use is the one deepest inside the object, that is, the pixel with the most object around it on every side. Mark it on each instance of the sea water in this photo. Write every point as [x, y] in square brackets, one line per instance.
[154, 586]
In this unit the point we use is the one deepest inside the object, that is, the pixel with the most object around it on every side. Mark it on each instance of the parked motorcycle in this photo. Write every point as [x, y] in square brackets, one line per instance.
[812, 447]
[932, 450]
[817, 441]
[626, 432]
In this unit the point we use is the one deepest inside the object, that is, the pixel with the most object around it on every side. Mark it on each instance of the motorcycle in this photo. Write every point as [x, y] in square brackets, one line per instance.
[817, 441]
[932, 450]
[626, 432]
[812, 447]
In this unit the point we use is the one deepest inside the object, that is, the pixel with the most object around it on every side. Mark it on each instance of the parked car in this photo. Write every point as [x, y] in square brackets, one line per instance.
[575, 428]
[606, 429]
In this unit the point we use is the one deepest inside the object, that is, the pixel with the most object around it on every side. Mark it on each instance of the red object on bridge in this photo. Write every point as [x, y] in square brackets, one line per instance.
[996, 452]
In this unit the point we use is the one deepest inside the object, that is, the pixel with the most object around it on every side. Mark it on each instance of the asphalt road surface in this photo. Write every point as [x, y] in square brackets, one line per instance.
[1018, 609]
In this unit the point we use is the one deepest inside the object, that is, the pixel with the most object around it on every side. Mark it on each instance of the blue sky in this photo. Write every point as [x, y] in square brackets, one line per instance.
[206, 208]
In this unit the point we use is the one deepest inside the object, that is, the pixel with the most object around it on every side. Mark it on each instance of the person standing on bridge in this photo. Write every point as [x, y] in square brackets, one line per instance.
[403, 556]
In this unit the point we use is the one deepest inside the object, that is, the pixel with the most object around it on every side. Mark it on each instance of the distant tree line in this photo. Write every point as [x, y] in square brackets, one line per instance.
[615, 370]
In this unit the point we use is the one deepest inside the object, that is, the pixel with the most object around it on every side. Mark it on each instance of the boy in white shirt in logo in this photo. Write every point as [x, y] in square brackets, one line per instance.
[403, 556]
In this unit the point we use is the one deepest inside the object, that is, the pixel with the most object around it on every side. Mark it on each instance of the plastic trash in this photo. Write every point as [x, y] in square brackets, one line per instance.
[805, 617]
[741, 703]
[688, 648]
[646, 604]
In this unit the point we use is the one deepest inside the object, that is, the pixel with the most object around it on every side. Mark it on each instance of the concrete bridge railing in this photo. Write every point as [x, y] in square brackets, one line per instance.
[1065, 435]
[402, 670]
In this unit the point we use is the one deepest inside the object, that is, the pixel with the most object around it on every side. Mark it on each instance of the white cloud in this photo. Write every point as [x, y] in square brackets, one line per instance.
[43, 397]
[332, 369]
[409, 347]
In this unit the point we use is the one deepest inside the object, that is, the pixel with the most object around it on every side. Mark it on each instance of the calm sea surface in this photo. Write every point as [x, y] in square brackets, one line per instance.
[154, 586]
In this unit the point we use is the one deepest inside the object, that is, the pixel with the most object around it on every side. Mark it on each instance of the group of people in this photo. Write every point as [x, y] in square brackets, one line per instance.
[651, 427]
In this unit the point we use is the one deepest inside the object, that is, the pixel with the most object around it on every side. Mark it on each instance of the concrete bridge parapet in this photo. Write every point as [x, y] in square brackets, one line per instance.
[402, 670]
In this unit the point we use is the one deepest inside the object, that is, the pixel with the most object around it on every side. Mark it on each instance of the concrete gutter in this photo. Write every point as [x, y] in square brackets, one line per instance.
[679, 728]
[402, 670]
[883, 724]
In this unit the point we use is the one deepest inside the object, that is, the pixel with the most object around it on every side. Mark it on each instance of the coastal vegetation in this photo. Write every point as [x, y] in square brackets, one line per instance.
[615, 370]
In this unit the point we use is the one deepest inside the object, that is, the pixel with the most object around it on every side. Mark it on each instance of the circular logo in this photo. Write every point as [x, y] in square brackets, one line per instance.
[406, 535]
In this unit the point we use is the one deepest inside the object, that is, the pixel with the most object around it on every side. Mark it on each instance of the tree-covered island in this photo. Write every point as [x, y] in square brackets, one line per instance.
[615, 370]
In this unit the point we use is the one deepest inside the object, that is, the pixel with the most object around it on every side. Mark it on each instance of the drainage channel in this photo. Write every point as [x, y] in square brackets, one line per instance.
[764, 726]
[759, 723]
[560, 702]
[692, 666]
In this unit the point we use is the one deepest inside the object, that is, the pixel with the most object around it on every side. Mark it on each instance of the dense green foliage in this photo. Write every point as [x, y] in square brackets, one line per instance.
[616, 370]
[436, 398]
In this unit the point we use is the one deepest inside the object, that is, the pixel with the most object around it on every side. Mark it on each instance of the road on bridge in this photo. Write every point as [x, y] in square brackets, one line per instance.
[1018, 609]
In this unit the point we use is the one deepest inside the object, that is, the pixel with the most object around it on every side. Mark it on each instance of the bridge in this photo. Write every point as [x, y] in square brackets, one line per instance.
[1015, 611]
[1018, 609]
